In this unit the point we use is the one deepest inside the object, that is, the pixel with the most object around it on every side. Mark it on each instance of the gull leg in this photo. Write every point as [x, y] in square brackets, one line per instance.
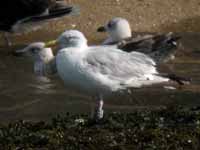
[98, 112]
[8, 42]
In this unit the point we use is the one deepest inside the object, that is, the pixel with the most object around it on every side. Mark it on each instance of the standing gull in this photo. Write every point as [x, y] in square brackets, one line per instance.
[95, 70]
[160, 47]
[14, 14]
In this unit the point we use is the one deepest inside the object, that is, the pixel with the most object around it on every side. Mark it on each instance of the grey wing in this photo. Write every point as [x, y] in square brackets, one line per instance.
[142, 44]
[115, 63]
[160, 47]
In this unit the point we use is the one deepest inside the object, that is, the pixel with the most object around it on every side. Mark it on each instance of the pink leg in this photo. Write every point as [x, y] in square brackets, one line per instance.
[98, 112]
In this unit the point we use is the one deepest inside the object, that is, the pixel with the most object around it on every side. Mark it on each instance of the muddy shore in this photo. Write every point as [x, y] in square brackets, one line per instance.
[165, 129]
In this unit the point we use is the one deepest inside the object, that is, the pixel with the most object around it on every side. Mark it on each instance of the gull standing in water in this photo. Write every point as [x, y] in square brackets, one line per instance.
[44, 60]
[95, 70]
[160, 47]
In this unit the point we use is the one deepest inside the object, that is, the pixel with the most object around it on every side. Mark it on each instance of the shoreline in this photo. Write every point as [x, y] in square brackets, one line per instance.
[167, 128]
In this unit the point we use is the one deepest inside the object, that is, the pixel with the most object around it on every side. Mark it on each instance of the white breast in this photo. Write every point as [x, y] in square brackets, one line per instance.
[71, 72]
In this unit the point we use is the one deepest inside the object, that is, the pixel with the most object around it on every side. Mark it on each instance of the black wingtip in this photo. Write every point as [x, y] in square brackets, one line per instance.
[180, 80]
[59, 12]
[75, 10]
[172, 38]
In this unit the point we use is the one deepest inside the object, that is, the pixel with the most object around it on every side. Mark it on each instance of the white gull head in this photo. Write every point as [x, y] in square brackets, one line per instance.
[72, 38]
[42, 56]
[117, 29]
[37, 51]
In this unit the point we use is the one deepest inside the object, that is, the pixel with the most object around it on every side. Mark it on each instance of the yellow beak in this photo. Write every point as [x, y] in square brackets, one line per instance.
[51, 43]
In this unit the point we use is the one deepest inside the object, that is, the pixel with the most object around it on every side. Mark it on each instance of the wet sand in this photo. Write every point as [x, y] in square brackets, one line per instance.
[144, 16]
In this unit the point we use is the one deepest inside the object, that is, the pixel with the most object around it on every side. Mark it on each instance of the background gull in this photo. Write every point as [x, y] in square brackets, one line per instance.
[44, 60]
[95, 70]
[14, 14]
[160, 47]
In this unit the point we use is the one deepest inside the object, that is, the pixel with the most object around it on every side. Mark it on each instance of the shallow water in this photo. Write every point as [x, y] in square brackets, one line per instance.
[26, 96]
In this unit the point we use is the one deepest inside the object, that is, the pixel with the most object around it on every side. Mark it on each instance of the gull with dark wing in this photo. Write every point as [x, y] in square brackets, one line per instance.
[97, 71]
[161, 47]
[16, 14]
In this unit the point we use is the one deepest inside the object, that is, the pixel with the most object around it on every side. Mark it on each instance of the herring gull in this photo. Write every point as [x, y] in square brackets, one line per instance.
[161, 47]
